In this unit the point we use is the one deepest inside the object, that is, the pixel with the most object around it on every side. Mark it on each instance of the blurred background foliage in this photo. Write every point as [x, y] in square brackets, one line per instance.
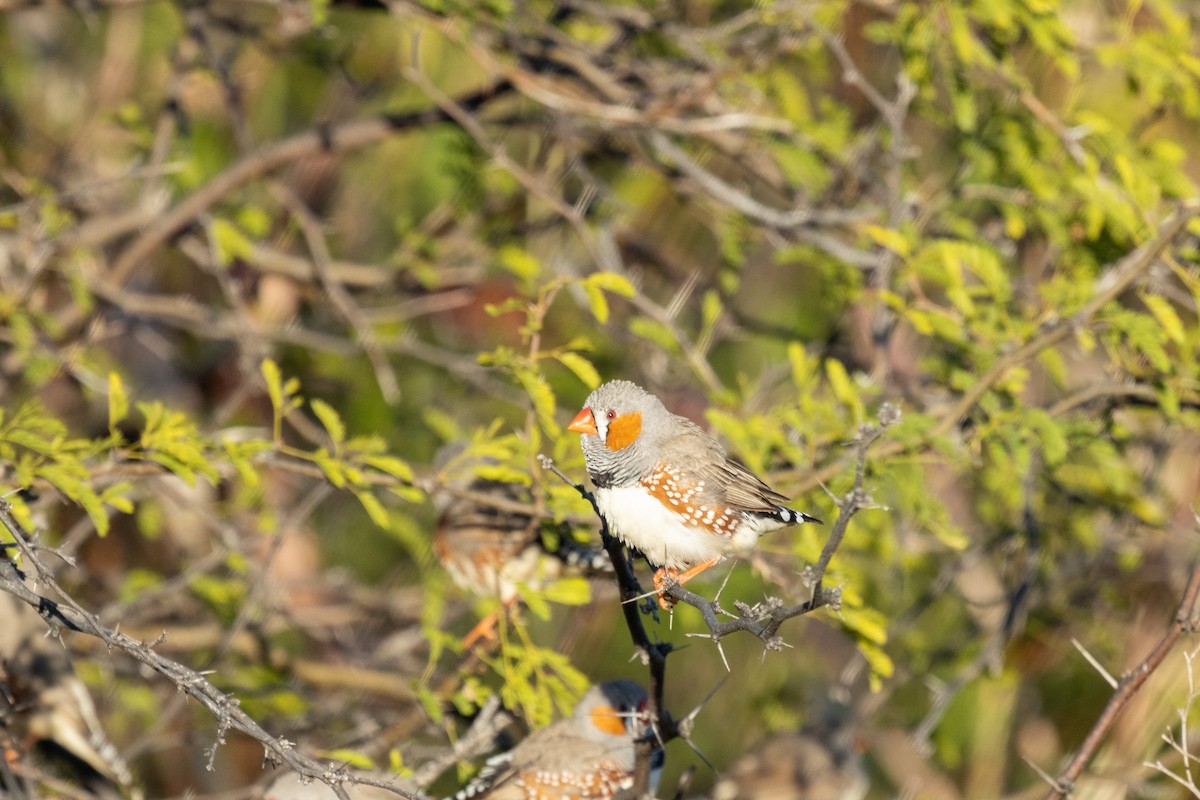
[260, 261]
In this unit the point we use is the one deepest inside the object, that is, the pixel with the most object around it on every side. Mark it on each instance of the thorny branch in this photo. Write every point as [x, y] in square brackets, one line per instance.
[653, 654]
[1187, 620]
[763, 619]
[66, 613]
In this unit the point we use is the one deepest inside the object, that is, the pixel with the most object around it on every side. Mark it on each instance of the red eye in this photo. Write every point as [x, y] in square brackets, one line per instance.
[611, 415]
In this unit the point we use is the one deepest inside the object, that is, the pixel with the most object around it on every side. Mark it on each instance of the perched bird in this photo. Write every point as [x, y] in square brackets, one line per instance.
[490, 545]
[590, 754]
[668, 489]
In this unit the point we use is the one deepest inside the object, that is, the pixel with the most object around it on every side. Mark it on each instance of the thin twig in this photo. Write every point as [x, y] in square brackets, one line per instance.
[1096, 665]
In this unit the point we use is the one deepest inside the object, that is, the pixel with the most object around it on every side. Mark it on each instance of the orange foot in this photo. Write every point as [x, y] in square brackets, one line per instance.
[665, 575]
[485, 629]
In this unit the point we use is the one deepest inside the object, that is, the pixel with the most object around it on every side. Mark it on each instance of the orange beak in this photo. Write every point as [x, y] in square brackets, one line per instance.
[584, 422]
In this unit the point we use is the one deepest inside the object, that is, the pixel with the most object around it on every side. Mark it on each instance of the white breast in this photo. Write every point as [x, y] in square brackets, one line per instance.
[642, 522]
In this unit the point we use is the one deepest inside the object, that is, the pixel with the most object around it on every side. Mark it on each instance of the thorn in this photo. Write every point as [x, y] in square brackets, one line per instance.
[641, 596]
[1042, 773]
[691, 715]
[724, 583]
[1095, 664]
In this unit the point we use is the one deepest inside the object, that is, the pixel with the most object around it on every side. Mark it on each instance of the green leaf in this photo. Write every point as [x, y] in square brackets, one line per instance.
[506, 306]
[839, 381]
[1049, 435]
[597, 301]
[392, 466]
[710, 309]
[535, 601]
[880, 663]
[95, 510]
[889, 238]
[115, 496]
[335, 470]
[1165, 313]
[1168, 399]
[596, 284]
[274, 379]
[583, 369]
[951, 536]
[409, 494]
[229, 242]
[373, 507]
[171, 439]
[866, 623]
[572, 591]
[224, 595]
[544, 402]
[431, 703]
[330, 419]
[118, 401]
[803, 366]
[254, 220]
[521, 263]
[655, 332]
[611, 282]
[503, 473]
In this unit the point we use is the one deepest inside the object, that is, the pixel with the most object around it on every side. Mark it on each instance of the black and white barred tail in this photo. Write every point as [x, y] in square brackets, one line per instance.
[792, 517]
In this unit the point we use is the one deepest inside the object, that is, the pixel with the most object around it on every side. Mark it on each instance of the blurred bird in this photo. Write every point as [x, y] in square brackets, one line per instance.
[668, 489]
[590, 754]
[46, 710]
[795, 766]
[489, 549]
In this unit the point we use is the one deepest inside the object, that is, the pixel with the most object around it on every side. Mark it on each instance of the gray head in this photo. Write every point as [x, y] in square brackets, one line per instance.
[620, 427]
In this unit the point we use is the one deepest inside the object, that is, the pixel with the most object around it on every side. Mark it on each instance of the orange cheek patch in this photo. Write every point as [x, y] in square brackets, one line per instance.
[623, 430]
[609, 720]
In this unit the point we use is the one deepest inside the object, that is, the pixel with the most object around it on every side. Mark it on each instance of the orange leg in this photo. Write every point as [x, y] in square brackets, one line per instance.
[485, 629]
[663, 575]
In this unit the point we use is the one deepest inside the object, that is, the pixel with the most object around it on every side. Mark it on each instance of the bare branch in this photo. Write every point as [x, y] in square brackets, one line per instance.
[1185, 621]
[68, 614]
[343, 138]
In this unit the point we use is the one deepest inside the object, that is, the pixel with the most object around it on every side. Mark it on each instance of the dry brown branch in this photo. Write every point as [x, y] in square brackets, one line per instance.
[318, 248]
[66, 613]
[332, 138]
[1186, 620]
